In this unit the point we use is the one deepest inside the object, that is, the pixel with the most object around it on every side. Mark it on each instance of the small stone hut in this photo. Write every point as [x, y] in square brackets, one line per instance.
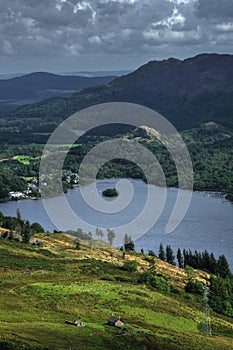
[115, 321]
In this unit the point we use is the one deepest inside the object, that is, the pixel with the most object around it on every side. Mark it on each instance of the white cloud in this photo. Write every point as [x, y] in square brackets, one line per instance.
[7, 48]
[175, 18]
[225, 27]
[175, 36]
[180, 2]
[28, 23]
[72, 49]
[82, 6]
[94, 39]
[152, 34]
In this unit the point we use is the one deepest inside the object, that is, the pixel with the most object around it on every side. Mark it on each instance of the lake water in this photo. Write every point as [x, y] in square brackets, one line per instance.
[208, 224]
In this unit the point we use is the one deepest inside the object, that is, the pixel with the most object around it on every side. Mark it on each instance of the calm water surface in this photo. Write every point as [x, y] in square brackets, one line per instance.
[208, 223]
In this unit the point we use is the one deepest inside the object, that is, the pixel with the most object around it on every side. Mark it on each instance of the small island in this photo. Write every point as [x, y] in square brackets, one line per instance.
[110, 192]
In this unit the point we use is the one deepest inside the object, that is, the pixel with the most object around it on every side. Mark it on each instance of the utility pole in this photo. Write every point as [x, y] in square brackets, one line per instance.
[206, 325]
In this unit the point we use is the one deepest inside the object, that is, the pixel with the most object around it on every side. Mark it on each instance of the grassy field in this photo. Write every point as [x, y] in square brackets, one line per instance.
[23, 159]
[42, 287]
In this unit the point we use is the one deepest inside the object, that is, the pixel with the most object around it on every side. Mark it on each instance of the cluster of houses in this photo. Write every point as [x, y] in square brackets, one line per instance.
[70, 177]
[14, 195]
[113, 321]
[31, 188]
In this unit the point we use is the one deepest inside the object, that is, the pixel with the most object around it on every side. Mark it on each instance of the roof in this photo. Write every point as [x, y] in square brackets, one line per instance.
[113, 319]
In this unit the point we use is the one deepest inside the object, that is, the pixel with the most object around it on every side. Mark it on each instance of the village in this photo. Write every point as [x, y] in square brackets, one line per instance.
[33, 191]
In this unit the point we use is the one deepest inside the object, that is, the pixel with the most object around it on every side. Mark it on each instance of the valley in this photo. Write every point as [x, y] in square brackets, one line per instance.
[53, 281]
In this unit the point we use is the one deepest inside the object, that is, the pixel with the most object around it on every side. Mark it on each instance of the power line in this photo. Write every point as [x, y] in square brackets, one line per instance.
[206, 325]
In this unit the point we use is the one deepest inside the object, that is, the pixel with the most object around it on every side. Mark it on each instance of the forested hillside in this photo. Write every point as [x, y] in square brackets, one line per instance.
[187, 93]
[210, 147]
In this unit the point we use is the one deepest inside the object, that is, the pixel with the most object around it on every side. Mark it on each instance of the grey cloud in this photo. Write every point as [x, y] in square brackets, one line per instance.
[79, 26]
[215, 9]
[119, 29]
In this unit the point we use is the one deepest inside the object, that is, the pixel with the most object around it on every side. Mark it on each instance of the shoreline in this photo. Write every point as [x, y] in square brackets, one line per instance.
[204, 191]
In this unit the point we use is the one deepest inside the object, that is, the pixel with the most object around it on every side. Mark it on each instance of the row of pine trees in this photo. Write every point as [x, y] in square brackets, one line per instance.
[221, 280]
[198, 260]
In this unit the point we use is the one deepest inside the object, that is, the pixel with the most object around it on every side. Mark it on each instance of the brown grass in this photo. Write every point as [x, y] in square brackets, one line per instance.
[176, 276]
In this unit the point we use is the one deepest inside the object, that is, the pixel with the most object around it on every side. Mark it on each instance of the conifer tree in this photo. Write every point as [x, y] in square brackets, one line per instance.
[206, 260]
[162, 255]
[18, 227]
[185, 256]
[170, 258]
[180, 259]
[26, 232]
[223, 267]
[213, 264]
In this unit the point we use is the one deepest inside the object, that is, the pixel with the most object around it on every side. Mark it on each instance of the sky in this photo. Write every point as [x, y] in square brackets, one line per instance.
[79, 35]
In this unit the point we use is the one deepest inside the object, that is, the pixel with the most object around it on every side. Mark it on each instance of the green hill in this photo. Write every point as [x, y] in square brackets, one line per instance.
[42, 287]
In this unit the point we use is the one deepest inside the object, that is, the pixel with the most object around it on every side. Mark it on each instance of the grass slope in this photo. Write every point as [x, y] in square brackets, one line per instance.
[43, 287]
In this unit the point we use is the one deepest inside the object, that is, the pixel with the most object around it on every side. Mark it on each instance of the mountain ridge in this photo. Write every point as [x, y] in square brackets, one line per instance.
[37, 86]
[187, 92]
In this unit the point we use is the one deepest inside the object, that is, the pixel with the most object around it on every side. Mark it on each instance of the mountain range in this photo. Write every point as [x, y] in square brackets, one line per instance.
[100, 73]
[187, 92]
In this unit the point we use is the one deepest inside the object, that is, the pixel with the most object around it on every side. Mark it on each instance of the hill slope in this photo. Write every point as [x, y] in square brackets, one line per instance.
[188, 93]
[41, 288]
[40, 85]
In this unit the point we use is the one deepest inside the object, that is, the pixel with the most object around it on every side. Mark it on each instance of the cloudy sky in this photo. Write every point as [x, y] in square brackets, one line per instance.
[74, 35]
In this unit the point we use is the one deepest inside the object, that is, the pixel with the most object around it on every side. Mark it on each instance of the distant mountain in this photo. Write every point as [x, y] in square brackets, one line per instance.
[116, 73]
[87, 74]
[5, 76]
[38, 86]
[187, 92]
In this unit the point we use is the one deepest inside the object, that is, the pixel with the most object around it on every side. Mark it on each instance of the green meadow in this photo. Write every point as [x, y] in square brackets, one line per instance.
[23, 159]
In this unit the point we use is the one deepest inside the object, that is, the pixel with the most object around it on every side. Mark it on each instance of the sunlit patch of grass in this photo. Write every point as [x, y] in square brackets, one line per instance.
[23, 159]
[161, 319]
